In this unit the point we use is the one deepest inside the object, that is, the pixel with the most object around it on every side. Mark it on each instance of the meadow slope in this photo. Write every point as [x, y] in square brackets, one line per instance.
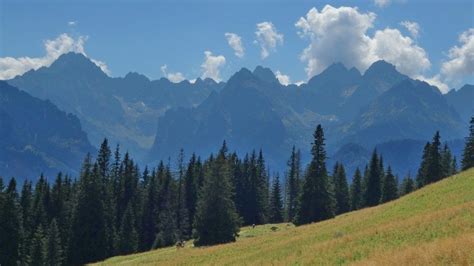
[434, 225]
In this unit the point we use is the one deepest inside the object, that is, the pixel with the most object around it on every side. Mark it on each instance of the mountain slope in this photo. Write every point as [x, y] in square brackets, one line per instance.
[410, 110]
[36, 137]
[462, 101]
[125, 110]
[433, 225]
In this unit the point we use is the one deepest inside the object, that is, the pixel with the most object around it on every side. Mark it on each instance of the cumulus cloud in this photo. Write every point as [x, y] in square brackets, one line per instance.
[175, 77]
[235, 42]
[211, 66]
[11, 66]
[412, 27]
[268, 38]
[341, 35]
[282, 78]
[382, 3]
[460, 62]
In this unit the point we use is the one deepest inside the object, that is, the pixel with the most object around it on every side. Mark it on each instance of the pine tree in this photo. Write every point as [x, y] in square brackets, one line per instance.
[356, 191]
[216, 218]
[10, 226]
[423, 170]
[435, 167]
[468, 153]
[447, 161]
[182, 215]
[191, 188]
[150, 213]
[407, 186]
[128, 236]
[390, 187]
[276, 204]
[167, 233]
[54, 248]
[374, 181]
[38, 247]
[316, 202]
[341, 189]
[293, 184]
[26, 204]
[88, 238]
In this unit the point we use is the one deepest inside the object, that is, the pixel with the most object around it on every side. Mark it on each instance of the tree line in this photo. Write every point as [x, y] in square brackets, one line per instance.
[113, 208]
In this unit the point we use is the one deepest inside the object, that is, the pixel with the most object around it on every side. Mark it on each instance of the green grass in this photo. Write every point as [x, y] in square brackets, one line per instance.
[434, 225]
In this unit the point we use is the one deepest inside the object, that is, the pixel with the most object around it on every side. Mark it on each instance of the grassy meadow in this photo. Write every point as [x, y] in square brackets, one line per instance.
[434, 225]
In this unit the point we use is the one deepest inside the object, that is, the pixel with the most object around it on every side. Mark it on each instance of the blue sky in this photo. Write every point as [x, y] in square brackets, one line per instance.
[143, 36]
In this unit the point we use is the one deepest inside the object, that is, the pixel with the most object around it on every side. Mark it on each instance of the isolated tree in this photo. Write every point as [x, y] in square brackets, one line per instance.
[356, 191]
[216, 218]
[390, 187]
[373, 191]
[276, 203]
[341, 189]
[316, 202]
[468, 153]
[293, 184]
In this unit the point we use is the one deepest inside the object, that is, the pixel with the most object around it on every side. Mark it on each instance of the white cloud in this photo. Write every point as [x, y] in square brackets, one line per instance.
[11, 66]
[235, 42]
[412, 27]
[282, 78]
[340, 35]
[435, 81]
[382, 3]
[460, 61]
[268, 38]
[211, 66]
[175, 77]
[72, 23]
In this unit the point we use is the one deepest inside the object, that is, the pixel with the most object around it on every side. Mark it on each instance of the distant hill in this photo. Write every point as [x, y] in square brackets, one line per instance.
[36, 137]
[431, 226]
[462, 101]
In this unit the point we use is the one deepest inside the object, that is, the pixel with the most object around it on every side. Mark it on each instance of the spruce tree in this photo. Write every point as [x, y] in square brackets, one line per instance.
[421, 178]
[26, 204]
[149, 213]
[316, 201]
[407, 186]
[276, 204]
[373, 191]
[10, 226]
[390, 187]
[128, 236]
[435, 167]
[54, 248]
[182, 215]
[447, 161]
[341, 189]
[468, 153]
[38, 247]
[356, 191]
[293, 184]
[88, 230]
[216, 218]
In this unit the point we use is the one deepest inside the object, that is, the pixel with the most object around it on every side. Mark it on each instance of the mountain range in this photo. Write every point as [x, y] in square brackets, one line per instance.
[154, 119]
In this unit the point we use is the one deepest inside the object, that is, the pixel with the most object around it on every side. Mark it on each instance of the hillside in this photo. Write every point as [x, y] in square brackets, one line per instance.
[434, 225]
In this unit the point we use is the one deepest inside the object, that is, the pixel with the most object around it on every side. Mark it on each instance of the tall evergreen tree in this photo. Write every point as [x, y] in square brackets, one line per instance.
[316, 202]
[435, 167]
[88, 238]
[356, 191]
[54, 248]
[423, 170]
[128, 236]
[216, 218]
[276, 204]
[293, 184]
[468, 153]
[182, 215]
[447, 161]
[38, 247]
[390, 187]
[10, 226]
[341, 189]
[150, 211]
[373, 191]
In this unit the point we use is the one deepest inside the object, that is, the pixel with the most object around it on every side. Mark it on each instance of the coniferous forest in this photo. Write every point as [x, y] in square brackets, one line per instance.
[115, 207]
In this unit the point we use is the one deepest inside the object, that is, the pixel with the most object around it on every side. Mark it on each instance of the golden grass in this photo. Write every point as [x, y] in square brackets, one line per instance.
[434, 225]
